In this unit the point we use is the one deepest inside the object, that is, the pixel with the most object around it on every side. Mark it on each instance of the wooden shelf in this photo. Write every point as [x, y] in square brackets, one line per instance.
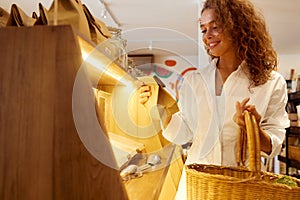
[293, 131]
[292, 163]
[41, 154]
[159, 184]
[294, 96]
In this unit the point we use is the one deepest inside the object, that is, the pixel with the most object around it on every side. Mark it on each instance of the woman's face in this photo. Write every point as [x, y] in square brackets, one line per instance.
[217, 40]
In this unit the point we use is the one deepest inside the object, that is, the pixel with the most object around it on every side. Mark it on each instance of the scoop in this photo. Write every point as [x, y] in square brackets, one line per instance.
[130, 169]
[152, 160]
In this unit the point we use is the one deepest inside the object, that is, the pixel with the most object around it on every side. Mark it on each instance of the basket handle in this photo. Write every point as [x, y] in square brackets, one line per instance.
[253, 142]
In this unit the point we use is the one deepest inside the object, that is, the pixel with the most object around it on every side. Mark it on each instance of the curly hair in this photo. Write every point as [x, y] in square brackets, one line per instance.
[248, 28]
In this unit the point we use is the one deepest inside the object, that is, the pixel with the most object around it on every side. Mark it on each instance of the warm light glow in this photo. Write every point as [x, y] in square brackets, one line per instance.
[84, 54]
[100, 63]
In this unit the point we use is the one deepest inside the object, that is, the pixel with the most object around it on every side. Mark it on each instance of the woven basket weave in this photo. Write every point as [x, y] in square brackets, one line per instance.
[212, 182]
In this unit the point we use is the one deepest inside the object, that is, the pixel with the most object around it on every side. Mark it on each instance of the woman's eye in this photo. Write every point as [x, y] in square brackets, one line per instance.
[203, 31]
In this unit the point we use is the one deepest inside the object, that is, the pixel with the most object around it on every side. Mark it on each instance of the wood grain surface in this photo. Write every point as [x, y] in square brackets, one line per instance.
[41, 154]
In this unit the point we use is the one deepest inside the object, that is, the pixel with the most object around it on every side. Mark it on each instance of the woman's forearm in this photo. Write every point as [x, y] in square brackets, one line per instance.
[265, 142]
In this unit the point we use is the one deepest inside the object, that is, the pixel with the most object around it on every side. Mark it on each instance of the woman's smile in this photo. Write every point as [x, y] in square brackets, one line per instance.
[212, 44]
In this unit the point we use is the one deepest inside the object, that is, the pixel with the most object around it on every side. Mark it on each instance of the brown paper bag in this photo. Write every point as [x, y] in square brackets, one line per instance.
[168, 103]
[18, 17]
[34, 15]
[98, 30]
[160, 103]
[3, 17]
[141, 113]
[43, 18]
[70, 12]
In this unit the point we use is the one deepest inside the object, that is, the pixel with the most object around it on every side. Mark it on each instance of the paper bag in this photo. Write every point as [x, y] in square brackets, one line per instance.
[18, 17]
[160, 106]
[34, 15]
[3, 17]
[70, 12]
[98, 30]
[43, 18]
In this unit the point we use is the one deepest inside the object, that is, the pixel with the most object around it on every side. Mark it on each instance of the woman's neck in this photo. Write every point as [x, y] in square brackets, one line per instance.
[227, 66]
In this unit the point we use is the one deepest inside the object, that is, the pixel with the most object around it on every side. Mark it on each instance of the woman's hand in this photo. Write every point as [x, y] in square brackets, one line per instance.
[145, 93]
[240, 107]
[238, 118]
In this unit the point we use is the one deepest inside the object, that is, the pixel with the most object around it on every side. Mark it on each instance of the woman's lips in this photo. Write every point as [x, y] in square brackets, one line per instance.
[212, 45]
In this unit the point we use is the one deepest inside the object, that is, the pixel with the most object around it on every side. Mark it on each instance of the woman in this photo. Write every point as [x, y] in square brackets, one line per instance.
[241, 76]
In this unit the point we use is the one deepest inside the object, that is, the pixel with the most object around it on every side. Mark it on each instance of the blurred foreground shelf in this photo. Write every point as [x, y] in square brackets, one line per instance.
[41, 154]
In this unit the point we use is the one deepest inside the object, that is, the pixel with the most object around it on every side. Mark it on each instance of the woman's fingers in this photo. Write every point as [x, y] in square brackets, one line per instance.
[240, 107]
[144, 88]
[145, 93]
[253, 111]
[143, 100]
[244, 102]
[238, 117]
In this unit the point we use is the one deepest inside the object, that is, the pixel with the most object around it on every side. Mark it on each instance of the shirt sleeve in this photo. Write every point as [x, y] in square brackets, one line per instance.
[276, 119]
[180, 129]
[177, 131]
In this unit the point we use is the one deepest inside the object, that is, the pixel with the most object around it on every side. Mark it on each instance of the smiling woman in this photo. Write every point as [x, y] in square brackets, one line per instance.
[241, 77]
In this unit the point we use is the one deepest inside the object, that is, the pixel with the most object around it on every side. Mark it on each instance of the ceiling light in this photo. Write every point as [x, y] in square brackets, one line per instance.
[150, 45]
[103, 10]
[106, 13]
[103, 13]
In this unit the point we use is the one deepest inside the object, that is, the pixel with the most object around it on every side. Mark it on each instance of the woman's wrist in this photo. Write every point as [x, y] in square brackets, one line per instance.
[265, 142]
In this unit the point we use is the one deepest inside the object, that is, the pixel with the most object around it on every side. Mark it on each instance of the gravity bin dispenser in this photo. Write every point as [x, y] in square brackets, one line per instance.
[71, 122]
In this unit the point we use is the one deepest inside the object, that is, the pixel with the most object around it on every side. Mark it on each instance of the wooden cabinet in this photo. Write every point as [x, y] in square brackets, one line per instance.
[291, 132]
[42, 156]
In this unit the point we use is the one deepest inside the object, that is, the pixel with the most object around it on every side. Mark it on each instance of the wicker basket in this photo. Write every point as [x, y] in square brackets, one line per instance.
[212, 182]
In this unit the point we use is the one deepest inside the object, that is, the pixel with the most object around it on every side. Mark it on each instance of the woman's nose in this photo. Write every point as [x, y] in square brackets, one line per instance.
[209, 34]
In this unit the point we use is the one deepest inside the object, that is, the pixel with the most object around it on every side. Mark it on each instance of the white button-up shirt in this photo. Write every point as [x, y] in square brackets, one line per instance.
[208, 122]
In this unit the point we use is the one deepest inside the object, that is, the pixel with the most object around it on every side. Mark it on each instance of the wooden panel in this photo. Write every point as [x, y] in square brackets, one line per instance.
[41, 154]
[160, 184]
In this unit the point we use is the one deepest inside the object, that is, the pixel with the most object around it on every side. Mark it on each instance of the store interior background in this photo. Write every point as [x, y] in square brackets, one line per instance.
[169, 30]
[172, 25]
